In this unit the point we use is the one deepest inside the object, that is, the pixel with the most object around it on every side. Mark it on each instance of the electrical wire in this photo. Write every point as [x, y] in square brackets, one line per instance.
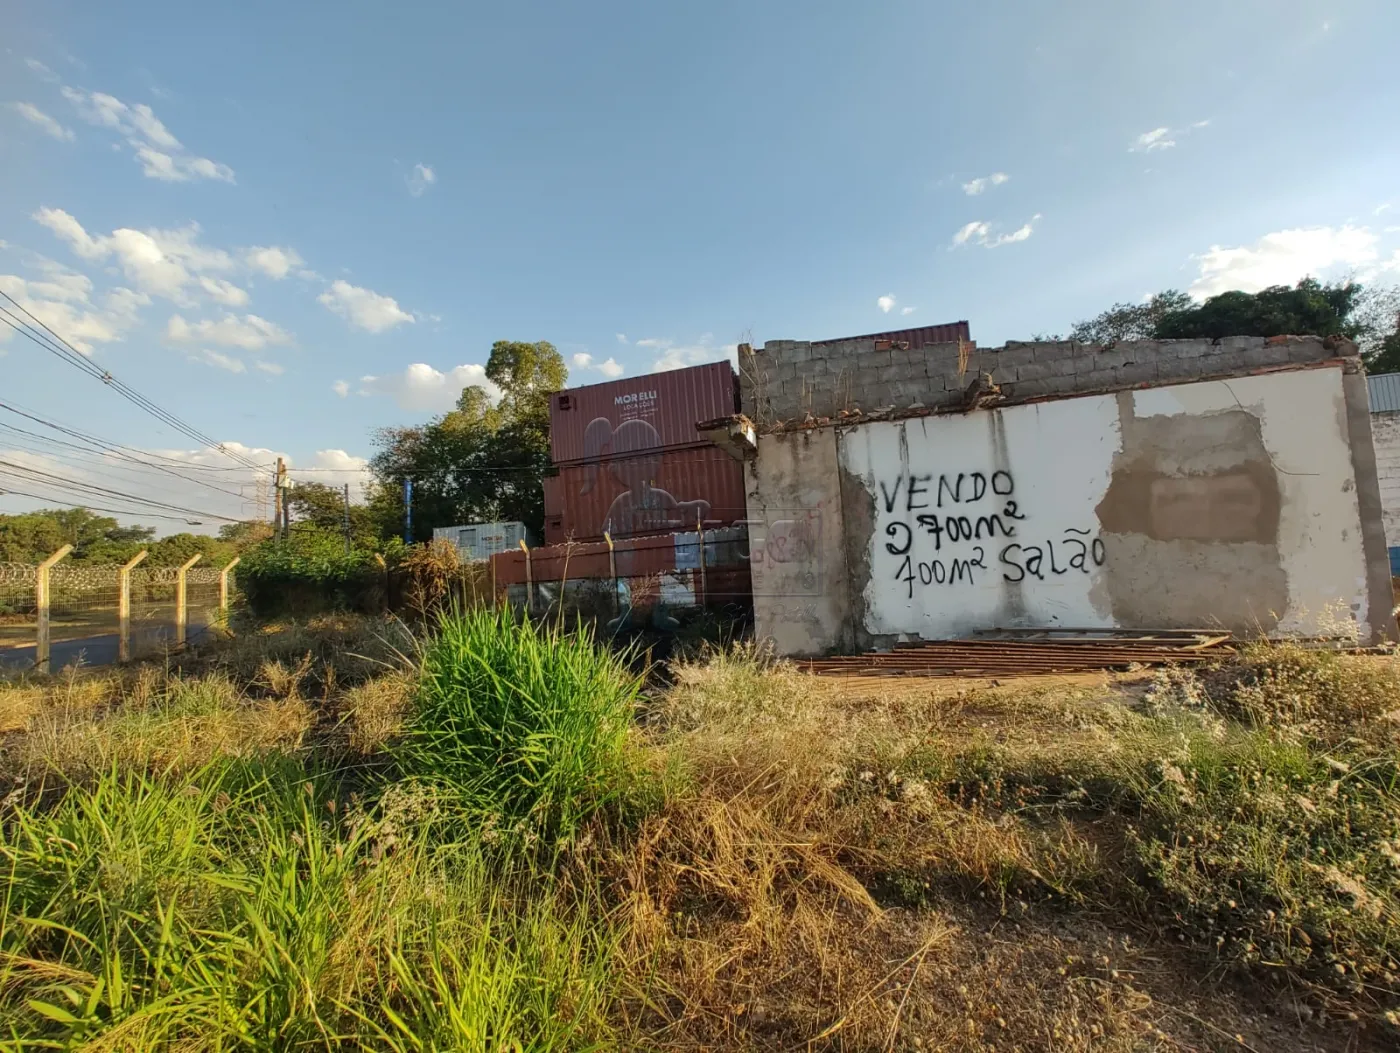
[61, 348]
[10, 468]
[92, 508]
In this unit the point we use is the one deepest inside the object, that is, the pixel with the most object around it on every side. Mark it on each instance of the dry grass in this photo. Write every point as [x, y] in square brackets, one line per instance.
[1075, 864]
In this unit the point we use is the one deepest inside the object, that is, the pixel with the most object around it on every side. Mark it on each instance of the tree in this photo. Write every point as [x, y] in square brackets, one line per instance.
[481, 461]
[1309, 308]
[1370, 315]
[32, 536]
[322, 507]
[1130, 321]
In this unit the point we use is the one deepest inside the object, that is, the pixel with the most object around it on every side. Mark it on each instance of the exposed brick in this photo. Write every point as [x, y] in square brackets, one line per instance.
[1264, 355]
[1239, 343]
[800, 353]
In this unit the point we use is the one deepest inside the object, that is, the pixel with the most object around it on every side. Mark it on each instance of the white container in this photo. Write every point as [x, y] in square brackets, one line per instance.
[478, 541]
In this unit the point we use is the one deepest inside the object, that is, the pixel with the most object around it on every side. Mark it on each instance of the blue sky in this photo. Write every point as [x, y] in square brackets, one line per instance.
[294, 223]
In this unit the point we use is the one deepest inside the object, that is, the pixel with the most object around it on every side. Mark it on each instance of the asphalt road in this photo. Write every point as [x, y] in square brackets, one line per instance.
[91, 650]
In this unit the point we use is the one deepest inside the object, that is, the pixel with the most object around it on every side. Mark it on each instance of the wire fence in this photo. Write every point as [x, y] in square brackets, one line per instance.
[53, 614]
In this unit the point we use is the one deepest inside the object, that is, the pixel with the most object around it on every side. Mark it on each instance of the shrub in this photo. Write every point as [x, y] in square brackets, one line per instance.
[308, 576]
[530, 725]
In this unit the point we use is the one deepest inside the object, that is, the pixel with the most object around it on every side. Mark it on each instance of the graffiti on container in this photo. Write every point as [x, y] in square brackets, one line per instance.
[975, 525]
[633, 460]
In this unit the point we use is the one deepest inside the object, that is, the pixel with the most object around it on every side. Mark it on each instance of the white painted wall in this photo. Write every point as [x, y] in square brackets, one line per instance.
[1054, 461]
[1385, 433]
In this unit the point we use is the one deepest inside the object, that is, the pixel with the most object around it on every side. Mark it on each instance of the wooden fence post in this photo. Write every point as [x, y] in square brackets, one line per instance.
[529, 580]
[124, 607]
[223, 589]
[181, 610]
[41, 603]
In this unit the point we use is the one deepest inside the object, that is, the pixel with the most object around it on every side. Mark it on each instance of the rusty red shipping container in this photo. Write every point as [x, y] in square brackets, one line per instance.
[950, 333]
[640, 413]
[648, 493]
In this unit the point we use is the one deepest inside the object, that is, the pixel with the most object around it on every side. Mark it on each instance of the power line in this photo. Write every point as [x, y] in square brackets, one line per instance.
[9, 468]
[103, 454]
[61, 348]
[91, 508]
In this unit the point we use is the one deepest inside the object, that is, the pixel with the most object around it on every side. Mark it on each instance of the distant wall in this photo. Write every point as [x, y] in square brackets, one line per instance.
[1248, 502]
[1385, 429]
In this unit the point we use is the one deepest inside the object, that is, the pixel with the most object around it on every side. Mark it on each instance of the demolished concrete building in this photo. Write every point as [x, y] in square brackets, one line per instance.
[899, 493]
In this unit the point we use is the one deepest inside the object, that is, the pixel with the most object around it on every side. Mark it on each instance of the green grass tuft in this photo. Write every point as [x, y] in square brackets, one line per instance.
[531, 726]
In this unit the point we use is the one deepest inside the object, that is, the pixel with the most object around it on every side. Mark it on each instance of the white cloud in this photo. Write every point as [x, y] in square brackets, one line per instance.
[420, 387]
[271, 367]
[975, 229]
[622, 338]
[1283, 257]
[907, 310]
[275, 262]
[420, 179]
[1162, 138]
[160, 154]
[224, 292]
[40, 70]
[42, 121]
[364, 308]
[250, 333]
[678, 356]
[160, 262]
[981, 183]
[222, 361]
[885, 303]
[610, 367]
[980, 233]
[62, 300]
[1021, 233]
[1153, 140]
[341, 388]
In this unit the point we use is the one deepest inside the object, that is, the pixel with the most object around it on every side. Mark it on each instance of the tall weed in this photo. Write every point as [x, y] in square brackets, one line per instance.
[529, 724]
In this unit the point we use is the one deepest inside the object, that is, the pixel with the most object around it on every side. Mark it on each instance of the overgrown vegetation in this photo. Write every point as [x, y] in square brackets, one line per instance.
[496, 836]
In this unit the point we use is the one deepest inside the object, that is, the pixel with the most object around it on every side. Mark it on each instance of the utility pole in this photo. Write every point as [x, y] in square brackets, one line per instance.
[408, 511]
[347, 519]
[277, 484]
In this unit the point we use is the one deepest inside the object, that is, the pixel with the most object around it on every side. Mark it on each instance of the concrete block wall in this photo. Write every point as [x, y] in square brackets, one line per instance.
[785, 380]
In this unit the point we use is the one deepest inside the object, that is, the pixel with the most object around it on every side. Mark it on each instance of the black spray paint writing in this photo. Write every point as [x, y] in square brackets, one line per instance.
[909, 495]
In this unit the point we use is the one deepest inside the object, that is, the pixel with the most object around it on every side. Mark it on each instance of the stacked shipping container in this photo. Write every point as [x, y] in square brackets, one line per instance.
[631, 462]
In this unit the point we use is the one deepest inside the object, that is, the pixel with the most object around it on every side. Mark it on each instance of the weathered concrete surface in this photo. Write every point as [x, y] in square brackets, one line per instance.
[1357, 429]
[796, 539]
[785, 380]
[1250, 503]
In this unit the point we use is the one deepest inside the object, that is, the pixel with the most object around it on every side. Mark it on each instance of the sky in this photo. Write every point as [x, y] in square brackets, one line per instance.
[293, 224]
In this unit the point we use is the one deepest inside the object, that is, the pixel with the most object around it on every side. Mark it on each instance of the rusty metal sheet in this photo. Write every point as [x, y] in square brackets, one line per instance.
[1021, 657]
[948, 333]
[644, 494]
[620, 417]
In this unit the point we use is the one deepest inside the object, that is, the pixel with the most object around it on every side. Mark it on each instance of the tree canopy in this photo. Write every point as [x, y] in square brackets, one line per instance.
[482, 461]
[1368, 315]
[33, 536]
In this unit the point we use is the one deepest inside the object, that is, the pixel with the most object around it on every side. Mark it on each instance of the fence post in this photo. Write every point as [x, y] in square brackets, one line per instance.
[41, 604]
[529, 580]
[612, 573]
[223, 589]
[704, 589]
[181, 609]
[124, 607]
